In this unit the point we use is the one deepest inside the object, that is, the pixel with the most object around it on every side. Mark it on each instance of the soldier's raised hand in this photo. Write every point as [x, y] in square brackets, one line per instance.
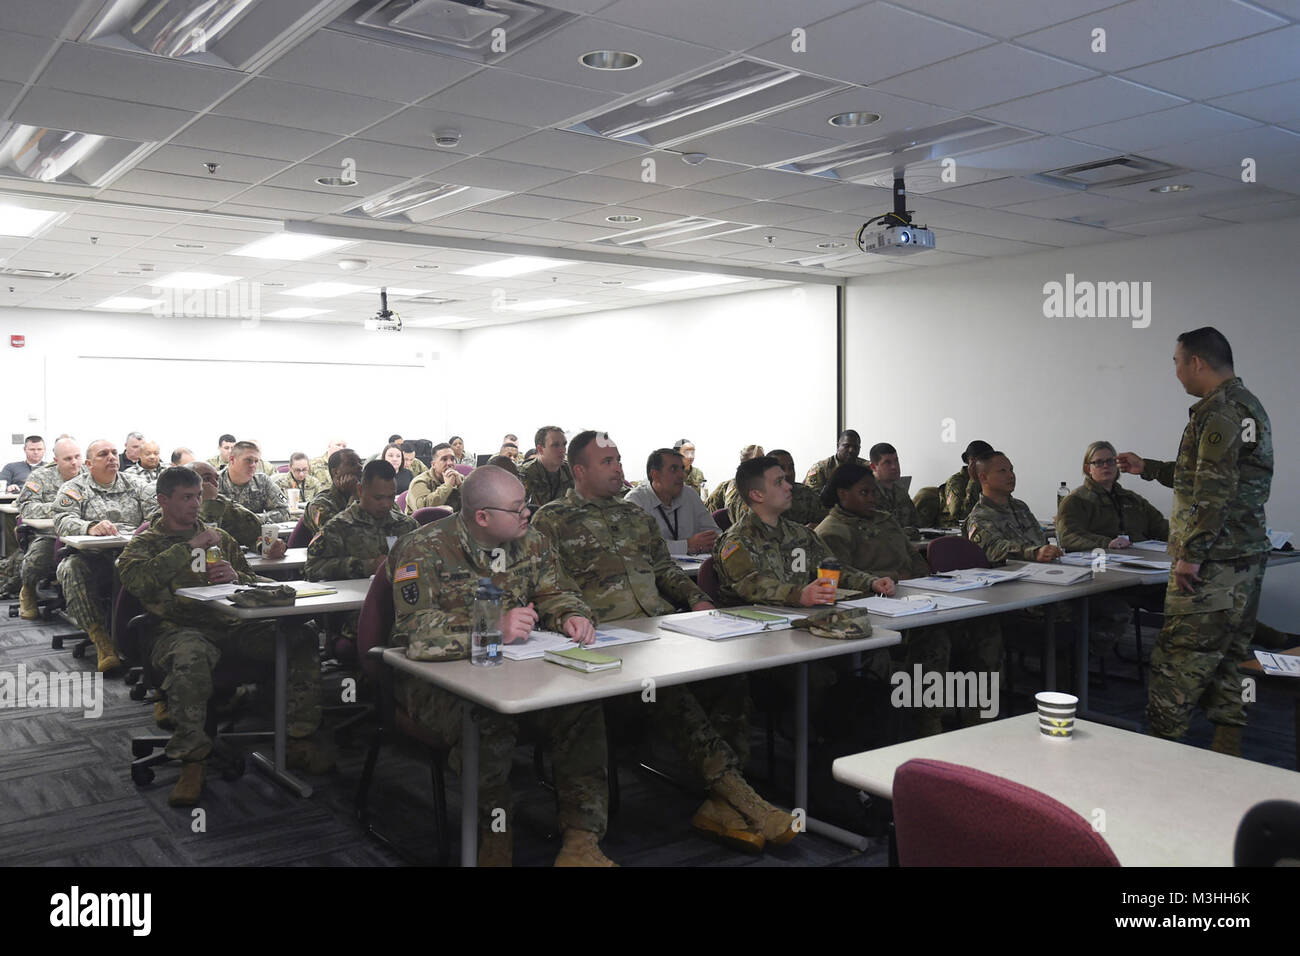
[278, 549]
[206, 539]
[453, 477]
[517, 624]
[1130, 462]
[103, 528]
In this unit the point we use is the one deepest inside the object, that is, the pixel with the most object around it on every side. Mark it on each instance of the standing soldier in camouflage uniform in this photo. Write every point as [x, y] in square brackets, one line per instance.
[148, 468]
[299, 476]
[548, 476]
[724, 494]
[345, 478]
[891, 496]
[694, 477]
[961, 492]
[614, 552]
[243, 484]
[37, 501]
[192, 637]
[847, 449]
[356, 541]
[439, 487]
[1221, 480]
[435, 572]
[99, 502]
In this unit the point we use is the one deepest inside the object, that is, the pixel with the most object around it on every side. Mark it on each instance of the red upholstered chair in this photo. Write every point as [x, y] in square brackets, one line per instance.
[952, 553]
[949, 815]
[464, 468]
[708, 580]
[433, 513]
[400, 502]
[374, 626]
[722, 519]
[300, 537]
[283, 469]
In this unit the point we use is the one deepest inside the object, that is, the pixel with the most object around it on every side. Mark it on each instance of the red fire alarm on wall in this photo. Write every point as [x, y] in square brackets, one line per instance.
[17, 341]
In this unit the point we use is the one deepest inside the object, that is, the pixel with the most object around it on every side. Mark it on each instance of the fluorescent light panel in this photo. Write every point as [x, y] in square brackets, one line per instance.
[516, 266]
[25, 221]
[290, 245]
[128, 303]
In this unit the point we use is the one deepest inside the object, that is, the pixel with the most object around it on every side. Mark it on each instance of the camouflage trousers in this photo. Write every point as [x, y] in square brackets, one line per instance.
[576, 734]
[38, 565]
[186, 656]
[87, 583]
[707, 723]
[11, 573]
[1110, 616]
[1206, 635]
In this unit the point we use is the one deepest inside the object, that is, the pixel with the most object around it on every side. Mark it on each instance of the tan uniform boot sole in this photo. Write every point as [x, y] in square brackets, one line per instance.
[188, 787]
[109, 663]
[720, 820]
[777, 826]
[27, 609]
[581, 849]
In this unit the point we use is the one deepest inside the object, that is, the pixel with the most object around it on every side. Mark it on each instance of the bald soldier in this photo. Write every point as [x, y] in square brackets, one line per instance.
[149, 465]
[37, 501]
[548, 476]
[847, 448]
[1218, 541]
[435, 571]
[616, 555]
[98, 502]
[345, 485]
[439, 487]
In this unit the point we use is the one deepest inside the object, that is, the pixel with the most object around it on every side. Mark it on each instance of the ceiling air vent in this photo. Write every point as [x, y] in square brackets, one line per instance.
[470, 29]
[35, 274]
[1103, 173]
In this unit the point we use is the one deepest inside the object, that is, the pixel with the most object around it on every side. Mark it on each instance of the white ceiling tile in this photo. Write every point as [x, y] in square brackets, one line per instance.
[1035, 156]
[723, 24]
[1159, 227]
[599, 217]
[593, 188]
[991, 75]
[386, 158]
[1006, 18]
[756, 145]
[349, 64]
[1256, 213]
[557, 57]
[499, 95]
[8, 93]
[415, 125]
[188, 161]
[46, 18]
[1177, 125]
[1279, 103]
[20, 54]
[975, 245]
[687, 202]
[269, 101]
[666, 168]
[297, 200]
[94, 114]
[561, 149]
[1264, 144]
[1245, 64]
[304, 175]
[843, 197]
[872, 42]
[256, 139]
[1088, 207]
[998, 192]
[82, 68]
[895, 114]
[1105, 98]
[760, 184]
[169, 186]
[115, 195]
[498, 174]
[536, 207]
[482, 222]
[1144, 31]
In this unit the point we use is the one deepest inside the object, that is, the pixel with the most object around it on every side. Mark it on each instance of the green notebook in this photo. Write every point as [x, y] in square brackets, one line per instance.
[584, 660]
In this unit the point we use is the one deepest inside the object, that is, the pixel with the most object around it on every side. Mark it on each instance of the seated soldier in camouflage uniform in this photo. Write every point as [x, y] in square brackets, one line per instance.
[928, 502]
[98, 502]
[547, 476]
[357, 540]
[236, 520]
[413, 464]
[724, 495]
[299, 476]
[243, 484]
[192, 637]
[435, 572]
[320, 464]
[805, 508]
[890, 495]
[149, 467]
[847, 449]
[961, 492]
[345, 485]
[439, 487]
[615, 554]
[694, 477]
[36, 500]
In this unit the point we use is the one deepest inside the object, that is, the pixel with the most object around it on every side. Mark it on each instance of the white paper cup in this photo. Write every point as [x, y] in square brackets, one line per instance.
[293, 494]
[270, 535]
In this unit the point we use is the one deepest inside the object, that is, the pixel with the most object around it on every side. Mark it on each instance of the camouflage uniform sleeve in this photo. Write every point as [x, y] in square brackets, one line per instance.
[738, 572]
[67, 514]
[429, 632]
[672, 582]
[951, 496]
[814, 479]
[277, 505]
[1215, 485]
[996, 547]
[328, 558]
[850, 577]
[838, 540]
[149, 576]
[718, 500]
[1072, 522]
[29, 502]
[1161, 471]
[234, 519]
[735, 509]
[554, 596]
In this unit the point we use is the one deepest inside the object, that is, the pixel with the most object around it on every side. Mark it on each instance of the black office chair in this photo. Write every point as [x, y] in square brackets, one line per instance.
[1269, 835]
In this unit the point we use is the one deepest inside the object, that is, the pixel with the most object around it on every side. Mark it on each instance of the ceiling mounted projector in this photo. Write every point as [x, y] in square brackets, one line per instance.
[894, 233]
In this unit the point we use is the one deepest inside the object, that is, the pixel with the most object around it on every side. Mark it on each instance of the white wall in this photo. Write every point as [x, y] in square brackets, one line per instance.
[289, 385]
[971, 344]
[723, 371]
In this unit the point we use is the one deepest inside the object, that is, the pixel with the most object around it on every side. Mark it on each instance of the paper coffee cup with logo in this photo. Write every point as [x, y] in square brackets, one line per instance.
[1056, 713]
[829, 570]
[294, 495]
[270, 534]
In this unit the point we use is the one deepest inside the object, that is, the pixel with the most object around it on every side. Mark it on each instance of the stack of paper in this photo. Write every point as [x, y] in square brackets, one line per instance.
[966, 579]
[733, 622]
[1057, 574]
[539, 642]
[1282, 665]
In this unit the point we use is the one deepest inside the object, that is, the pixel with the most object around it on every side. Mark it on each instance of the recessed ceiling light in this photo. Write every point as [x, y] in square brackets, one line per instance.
[192, 280]
[854, 118]
[338, 182]
[516, 266]
[699, 281]
[542, 305]
[694, 159]
[611, 281]
[22, 221]
[326, 290]
[830, 245]
[189, 245]
[425, 265]
[609, 60]
[622, 219]
[128, 303]
[1171, 188]
[289, 245]
[298, 312]
[352, 265]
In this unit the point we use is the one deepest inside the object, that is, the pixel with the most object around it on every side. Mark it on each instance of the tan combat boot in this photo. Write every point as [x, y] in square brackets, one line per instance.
[108, 659]
[720, 819]
[161, 716]
[496, 849]
[581, 849]
[189, 786]
[27, 609]
[1227, 740]
[314, 754]
[777, 826]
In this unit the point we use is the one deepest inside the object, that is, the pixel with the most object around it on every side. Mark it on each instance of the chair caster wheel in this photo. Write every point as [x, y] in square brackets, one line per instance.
[140, 748]
[139, 692]
[56, 643]
[142, 776]
[78, 652]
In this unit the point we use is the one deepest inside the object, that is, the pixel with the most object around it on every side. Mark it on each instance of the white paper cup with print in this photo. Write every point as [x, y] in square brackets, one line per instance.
[270, 535]
[293, 494]
[1056, 714]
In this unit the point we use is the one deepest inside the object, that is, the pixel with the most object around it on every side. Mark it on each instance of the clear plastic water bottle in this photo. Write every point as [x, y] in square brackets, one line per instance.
[485, 625]
[1061, 494]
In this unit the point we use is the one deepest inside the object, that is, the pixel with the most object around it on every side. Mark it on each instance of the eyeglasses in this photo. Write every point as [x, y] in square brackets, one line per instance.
[518, 513]
[1102, 462]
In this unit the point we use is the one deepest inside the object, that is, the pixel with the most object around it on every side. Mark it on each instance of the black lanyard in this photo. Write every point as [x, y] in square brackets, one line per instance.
[672, 525]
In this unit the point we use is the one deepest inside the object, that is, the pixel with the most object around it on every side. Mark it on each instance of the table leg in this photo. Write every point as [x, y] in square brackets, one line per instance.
[469, 786]
[835, 833]
[274, 767]
[1081, 656]
[1049, 647]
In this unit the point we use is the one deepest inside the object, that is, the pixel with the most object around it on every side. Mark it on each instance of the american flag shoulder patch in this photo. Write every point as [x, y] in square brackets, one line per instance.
[406, 572]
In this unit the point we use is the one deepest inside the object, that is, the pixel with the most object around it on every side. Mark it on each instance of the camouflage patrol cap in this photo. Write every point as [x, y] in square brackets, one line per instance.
[280, 596]
[837, 623]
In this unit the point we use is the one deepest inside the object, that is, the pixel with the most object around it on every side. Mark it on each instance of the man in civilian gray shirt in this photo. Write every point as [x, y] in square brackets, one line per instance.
[15, 473]
[685, 523]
